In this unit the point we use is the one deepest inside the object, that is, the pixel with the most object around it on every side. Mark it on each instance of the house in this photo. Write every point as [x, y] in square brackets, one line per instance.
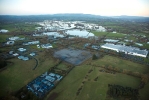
[22, 49]
[38, 34]
[23, 58]
[14, 38]
[38, 46]
[10, 52]
[34, 42]
[139, 44]
[87, 44]
[32, 54]
[3, 31]
[15, 54]
[95, 47]
[126, 49]
[10, 42]
[111, 40]
[46, 46]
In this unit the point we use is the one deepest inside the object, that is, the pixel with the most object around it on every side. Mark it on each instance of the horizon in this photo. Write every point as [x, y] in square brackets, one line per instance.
[75, 13]
[93, 7]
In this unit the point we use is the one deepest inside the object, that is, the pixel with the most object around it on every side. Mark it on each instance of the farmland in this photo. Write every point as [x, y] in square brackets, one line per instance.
[96, 89]
[85, 66]
[108, 34]
[19, 73]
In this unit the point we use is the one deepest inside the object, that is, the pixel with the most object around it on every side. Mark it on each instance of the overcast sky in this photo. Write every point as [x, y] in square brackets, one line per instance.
[98, 7]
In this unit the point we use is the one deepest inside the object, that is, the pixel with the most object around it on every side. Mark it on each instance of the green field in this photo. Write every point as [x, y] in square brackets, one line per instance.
[91, 90]
[20, 73]
[121, 64]
[18, 27]
[96, 90]
[3, 37]
[108, 34]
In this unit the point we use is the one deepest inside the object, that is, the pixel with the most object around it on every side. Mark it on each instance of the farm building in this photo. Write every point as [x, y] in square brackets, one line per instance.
[139, 44]
[3, 31]
[23, 58]
[32, 42]
[14, 38]
[127, 49]
[10, 42]
[46, 46]
[111, 40]
[22, 49]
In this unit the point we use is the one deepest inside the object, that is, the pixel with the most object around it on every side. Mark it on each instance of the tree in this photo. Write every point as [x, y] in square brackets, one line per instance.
[110, 67]
[3, 63]
[94, 57]
[144, 78]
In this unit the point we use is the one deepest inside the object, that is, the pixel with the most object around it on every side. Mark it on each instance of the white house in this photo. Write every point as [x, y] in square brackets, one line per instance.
[46, 46]
[3, 31]
[10, 42]
[22, 49]
[14, 38]
[33, 42]
[139, 44]
[101, 29]
[111, 40]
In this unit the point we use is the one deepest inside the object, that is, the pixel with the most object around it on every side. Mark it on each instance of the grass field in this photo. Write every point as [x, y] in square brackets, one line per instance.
[20, 73]
[121, 64]
[17, 27]
[3, 37]
[62, 66]
[91, 90]
[97, 90]
[144, 92]
[109, 34]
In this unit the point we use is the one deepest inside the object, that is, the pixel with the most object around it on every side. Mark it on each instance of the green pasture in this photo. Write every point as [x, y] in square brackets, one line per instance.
[20, 73]
[108, 34]
[91, 90]
[121, 64]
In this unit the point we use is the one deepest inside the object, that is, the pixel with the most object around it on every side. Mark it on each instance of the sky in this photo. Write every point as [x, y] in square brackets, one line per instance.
[97, 7]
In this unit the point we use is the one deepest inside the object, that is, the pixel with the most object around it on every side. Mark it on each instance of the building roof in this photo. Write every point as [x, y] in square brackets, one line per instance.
[126, 49]
[48, 45]
[23, 58]
[111, 40]
[32, 54]
[22, 49]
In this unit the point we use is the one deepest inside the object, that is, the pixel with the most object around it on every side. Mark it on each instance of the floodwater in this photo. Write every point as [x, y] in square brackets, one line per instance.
[83, 33]
[79, 33]
[53, 33]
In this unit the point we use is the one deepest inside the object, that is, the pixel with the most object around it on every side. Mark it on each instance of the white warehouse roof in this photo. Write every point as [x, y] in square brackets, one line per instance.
[126, 49]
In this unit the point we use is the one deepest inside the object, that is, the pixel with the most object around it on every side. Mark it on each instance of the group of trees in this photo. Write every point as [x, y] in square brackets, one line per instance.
[120, 91]
[3, 63]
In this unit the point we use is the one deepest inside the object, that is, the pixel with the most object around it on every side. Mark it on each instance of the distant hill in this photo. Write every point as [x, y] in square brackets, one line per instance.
[132, 18]
[68, 17]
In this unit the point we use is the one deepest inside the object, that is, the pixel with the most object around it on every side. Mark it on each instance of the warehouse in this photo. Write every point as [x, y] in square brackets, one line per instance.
[127, 49]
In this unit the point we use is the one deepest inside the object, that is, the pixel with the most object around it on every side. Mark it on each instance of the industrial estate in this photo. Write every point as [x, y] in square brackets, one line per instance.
[74, 60]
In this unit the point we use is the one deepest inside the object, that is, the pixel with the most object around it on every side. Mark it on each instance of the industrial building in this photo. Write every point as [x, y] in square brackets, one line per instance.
[127, 49]
[111, 40]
